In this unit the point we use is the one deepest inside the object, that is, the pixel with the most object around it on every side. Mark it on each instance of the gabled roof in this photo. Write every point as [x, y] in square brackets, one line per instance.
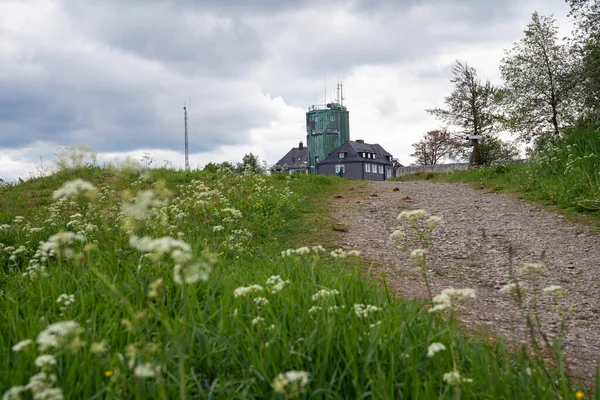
[295, 158]
[353, 152]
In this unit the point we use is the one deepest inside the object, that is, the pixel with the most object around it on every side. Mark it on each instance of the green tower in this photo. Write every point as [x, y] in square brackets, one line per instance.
[327, 128]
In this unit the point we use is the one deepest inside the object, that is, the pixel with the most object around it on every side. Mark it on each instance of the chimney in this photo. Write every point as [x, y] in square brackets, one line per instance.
[300, 145]
[359, 141]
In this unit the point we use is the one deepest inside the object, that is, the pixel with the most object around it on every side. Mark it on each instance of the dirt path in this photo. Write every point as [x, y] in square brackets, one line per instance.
[471, 250]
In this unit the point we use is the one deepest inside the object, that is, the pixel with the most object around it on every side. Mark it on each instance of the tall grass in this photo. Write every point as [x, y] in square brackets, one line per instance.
[143, 328]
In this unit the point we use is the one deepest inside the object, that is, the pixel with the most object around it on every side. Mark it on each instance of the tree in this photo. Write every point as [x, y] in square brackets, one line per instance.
[587, 17]
[493, 149]
[540, 76]
[434, 146]
[471, 105]
[250, 164]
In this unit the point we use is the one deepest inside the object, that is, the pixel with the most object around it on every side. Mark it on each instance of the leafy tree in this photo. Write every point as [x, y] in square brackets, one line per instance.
[492, 149]
[435, 146]
[471, 106]
[250, 164]
[540, 77]
[587, 17]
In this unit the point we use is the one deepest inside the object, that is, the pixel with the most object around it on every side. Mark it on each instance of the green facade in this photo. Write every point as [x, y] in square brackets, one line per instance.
[327, 128]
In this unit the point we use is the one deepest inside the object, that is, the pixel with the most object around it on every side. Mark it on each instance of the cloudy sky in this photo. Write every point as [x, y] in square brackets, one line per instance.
[115, 74]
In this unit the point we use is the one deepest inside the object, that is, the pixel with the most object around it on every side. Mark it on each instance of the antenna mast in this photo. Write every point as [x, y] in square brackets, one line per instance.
[187, 156]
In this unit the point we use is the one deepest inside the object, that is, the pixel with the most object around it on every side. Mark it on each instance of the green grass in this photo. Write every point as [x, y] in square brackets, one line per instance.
[200, 336]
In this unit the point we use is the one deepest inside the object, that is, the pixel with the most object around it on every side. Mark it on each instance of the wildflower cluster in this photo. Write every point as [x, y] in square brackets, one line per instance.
[341, 253]
[363, 311]
[302, 251]
[291, 384]
[448, 297]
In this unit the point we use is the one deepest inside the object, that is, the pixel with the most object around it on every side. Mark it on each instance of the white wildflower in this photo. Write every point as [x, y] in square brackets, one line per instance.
[291, 384]
[454, 378]
[45, 360]
[259, 301]
[66, 299]
[555, 290]
[433, 221]
[21, 345]
[56, 334]
[417, 255]
[191, 273]
[412, 215]
[435, 348]
[99, 347]
[363, 311]
[448, 297]
[243, 291]
[318, 249]
[531, 268]
[275, 283]
[218, 228]
[73, 189]
[257, 320]
[314, 309]
[147, 370]
[510, 288]
[14, 393]
[325, 293]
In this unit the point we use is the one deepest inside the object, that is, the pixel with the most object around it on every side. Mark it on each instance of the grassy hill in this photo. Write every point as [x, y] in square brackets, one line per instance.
[179, 284]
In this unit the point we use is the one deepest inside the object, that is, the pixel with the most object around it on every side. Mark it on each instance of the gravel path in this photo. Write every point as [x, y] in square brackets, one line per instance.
[471, 249]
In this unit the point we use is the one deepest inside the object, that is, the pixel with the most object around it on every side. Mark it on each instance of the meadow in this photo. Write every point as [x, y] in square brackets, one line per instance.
[172, 284]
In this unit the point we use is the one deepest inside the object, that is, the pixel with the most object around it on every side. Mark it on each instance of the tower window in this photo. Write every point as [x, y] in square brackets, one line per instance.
[316, 118]
[332, 117]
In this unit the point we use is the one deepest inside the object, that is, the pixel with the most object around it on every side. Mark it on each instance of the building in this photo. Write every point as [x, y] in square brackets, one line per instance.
[294, 162]
[358, 160]
[330, 151]
[327, 128]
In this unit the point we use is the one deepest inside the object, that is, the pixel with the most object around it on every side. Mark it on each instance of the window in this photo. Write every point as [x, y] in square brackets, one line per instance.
[374, 156]
[316, 160]
[316, 118]
[332, 117]
[389, 172]
[341, 154]
[364, 154]
[367, 167]
[381, 169]
[340, 167]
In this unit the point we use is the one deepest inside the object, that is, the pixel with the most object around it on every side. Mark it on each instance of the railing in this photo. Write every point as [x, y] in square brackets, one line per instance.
[318, 107]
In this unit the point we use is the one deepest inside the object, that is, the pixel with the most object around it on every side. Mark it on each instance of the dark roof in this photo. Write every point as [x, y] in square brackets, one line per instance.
[353, 152]
[295, 158]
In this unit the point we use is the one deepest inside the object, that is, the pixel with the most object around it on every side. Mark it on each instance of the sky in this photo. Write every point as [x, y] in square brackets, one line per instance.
[115, 74]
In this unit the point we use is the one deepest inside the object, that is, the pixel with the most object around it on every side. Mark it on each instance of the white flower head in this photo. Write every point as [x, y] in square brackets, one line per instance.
[244, 291]
[257, 320]
[73, 189]
[435, 348]
[448, 297]
[45, 360]
[21, 345]
[510, 288]
[147, 370]
[554, 290]
[291, 384]
[531, 268]
[453, 378]
[418, 255]
[412, 215]
[325, 293]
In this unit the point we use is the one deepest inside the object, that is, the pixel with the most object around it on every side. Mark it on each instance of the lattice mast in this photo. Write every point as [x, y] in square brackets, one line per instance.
[187, 155]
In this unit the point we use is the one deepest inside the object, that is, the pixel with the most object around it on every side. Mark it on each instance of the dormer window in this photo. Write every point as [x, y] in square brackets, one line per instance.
[341, 154]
